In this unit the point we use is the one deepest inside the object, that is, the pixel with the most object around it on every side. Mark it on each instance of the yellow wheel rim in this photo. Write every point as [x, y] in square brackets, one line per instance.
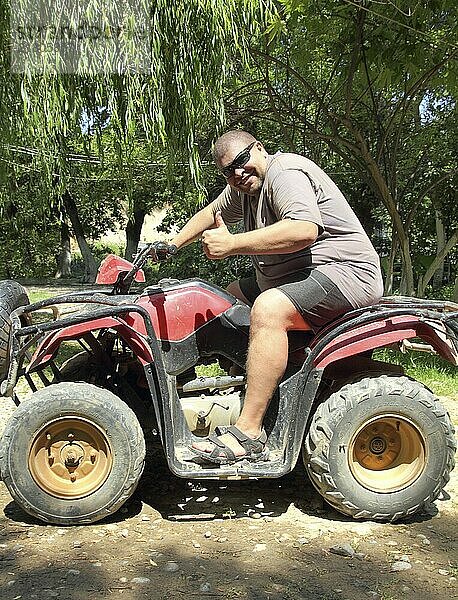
[70, 458]
[387, 454]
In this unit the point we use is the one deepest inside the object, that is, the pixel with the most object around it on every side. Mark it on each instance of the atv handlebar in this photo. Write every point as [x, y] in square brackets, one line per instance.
[161, 251]
[156, 251]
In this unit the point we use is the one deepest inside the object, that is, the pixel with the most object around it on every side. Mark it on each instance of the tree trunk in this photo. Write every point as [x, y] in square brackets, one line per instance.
[389, 275]
[90, 265]
[455, 291]
[437, 261]
[438, 277]
[64, 260]
[380, 187]
[133, 232]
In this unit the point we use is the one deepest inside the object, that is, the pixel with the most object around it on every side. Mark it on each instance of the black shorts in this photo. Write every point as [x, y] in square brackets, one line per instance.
[315, 296]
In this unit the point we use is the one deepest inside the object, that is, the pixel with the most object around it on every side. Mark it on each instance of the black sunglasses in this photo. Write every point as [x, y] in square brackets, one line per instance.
[239, 161]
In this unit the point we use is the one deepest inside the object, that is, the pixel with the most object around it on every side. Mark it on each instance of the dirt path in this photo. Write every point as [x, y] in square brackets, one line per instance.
[269, 540]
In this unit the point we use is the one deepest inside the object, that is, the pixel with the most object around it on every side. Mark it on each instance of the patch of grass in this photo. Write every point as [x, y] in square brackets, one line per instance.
[67, 350]
[433, 371]
[213, 370]
[37, 296]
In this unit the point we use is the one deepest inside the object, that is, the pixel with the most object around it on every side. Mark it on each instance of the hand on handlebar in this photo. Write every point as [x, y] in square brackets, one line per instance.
[161, 251]
[156, 251]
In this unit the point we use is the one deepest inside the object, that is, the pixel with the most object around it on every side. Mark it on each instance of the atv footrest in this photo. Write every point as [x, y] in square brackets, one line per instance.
[188, 464]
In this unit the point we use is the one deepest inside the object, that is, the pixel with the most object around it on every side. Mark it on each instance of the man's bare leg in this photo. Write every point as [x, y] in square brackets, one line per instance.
[272, 316]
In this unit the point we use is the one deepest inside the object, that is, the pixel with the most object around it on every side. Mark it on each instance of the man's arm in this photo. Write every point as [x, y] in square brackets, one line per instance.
[283, 237]
[202, 220]
[279, 238]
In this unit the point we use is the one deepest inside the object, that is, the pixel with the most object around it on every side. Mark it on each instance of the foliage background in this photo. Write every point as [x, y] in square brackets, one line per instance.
[365, 88]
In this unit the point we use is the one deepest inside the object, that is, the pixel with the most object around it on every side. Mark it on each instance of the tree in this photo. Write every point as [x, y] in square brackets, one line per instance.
[159, 74]
[354, 75]
[162, 98]
[24, 248]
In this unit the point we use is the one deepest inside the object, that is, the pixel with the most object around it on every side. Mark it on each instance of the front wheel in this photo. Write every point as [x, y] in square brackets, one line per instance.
[72, 454]
[380, 448]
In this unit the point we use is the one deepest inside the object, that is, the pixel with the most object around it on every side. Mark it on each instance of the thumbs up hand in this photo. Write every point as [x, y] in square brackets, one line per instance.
[218, 242]
[219, 220]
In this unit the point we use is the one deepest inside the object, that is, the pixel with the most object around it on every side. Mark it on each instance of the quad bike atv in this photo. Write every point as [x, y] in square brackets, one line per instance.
[375, 443]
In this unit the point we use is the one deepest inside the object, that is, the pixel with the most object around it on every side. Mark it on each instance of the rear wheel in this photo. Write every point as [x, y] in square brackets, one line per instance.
[72, 454]
[380, 448]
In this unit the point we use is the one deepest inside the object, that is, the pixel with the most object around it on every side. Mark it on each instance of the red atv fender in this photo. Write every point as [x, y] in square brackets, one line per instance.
[383, 332]
[112, 266]
[179, 312]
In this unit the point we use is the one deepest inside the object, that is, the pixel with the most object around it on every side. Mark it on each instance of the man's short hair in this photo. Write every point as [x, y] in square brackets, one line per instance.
[224, 143]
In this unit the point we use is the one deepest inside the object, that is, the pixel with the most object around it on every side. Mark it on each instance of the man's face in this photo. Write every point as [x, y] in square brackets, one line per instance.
[246, 177]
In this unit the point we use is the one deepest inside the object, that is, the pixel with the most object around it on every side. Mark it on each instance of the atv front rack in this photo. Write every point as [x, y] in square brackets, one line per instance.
[114, 307]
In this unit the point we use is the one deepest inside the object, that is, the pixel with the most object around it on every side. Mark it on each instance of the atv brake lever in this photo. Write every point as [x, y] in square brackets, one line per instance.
[143, 251]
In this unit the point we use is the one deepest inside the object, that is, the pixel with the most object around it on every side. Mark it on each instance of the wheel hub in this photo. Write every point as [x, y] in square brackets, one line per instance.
[387, 453]
[70, 457]
[378, 445]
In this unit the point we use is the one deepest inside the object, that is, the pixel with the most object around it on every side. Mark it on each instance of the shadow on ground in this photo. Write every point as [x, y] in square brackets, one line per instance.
[177, 499]
[181, 499]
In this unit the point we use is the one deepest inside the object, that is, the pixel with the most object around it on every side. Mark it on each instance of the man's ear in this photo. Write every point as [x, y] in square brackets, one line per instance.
[260, 147]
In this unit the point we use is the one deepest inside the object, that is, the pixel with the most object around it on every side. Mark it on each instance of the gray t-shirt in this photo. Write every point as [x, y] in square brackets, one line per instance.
[296, 188]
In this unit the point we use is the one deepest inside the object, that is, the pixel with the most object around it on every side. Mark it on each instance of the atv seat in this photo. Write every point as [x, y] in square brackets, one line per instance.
[238, 316]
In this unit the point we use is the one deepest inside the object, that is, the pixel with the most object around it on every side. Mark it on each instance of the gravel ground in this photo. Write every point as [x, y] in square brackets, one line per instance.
[270, 539]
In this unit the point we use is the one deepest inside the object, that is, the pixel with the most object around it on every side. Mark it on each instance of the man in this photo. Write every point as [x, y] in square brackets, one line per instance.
[312, 259]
